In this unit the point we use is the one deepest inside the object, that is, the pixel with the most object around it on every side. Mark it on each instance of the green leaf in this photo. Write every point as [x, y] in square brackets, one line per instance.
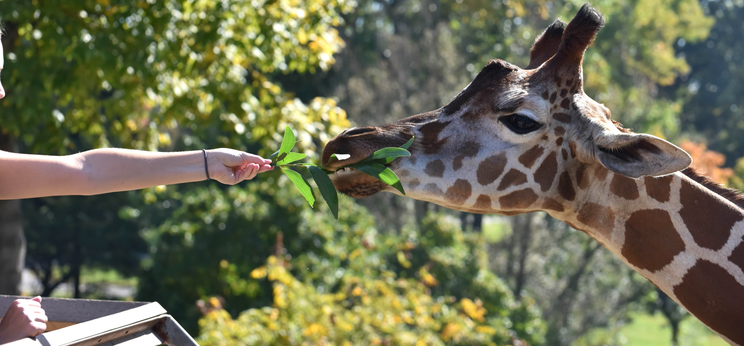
[408, 144]
[327, 190]
[386, 175]
[387, 154]
[288, 141]
[301, 185]
[290, 157]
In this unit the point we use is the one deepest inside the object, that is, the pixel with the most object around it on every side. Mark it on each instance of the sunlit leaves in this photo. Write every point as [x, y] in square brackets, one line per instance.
[124, 74]
[301, 185]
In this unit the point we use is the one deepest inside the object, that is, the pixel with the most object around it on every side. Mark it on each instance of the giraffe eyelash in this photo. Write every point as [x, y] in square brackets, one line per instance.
[520, 123]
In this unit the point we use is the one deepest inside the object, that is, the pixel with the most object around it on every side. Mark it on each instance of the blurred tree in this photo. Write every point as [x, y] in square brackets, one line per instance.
[66, 232]
[566, 271]
[711, 93]
[157, 74]
[433, 288]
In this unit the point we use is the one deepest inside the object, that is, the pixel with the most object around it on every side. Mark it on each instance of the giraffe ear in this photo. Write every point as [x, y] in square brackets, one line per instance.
[636, 155]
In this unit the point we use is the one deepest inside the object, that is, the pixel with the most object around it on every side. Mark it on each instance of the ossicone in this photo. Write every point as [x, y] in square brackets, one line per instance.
[578, 35]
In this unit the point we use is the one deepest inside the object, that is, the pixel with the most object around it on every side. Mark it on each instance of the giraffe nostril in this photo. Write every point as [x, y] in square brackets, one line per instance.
[358, 131]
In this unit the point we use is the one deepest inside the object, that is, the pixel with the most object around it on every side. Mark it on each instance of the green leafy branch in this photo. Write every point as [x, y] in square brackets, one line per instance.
[373, 165]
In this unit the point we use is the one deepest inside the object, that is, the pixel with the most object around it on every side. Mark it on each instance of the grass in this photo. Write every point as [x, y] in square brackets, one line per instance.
[648, 330]
[653, 330]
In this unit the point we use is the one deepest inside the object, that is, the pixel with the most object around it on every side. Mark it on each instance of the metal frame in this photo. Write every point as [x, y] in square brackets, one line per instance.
[103, 322]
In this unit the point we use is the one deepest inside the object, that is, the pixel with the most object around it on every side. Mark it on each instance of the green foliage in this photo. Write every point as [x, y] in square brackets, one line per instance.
[361, 311]
[433, 287]
[62, 238]
[712, 109]
[150, 74]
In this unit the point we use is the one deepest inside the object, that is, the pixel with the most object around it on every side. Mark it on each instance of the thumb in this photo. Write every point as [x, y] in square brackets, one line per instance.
[37, 299]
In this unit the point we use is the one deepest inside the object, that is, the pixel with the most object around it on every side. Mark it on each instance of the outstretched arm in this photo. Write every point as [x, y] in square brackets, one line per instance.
[109, 170]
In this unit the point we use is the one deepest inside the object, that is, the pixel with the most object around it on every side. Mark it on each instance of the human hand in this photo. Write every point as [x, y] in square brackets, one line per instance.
[25, 318]
[230, 166]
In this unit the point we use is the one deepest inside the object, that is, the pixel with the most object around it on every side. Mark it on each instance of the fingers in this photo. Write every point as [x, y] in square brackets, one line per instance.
[250, 172]
[24, 318]
[250, 158]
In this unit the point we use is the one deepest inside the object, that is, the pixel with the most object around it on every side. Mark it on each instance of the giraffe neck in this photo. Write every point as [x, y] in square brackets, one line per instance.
[681, 236]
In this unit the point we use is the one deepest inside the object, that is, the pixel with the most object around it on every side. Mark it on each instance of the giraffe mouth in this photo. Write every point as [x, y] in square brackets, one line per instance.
[355, 183]
[359, 143]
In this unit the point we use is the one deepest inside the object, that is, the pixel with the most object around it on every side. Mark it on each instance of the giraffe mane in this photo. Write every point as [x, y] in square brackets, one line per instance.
[733, 195]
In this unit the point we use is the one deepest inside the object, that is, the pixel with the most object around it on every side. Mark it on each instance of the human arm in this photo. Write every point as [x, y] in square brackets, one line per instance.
[109, 170]
[24, 318]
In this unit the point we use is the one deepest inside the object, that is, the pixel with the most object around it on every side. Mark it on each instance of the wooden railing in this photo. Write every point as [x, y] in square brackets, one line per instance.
[83, 322]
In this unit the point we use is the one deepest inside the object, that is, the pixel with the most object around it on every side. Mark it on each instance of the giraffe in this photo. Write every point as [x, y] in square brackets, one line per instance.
[521, 140]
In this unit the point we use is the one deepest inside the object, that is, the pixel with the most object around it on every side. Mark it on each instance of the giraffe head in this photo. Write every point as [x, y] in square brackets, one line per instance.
[514, 140]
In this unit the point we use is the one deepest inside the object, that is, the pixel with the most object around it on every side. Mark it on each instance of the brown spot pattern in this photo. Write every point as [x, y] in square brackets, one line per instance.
[658, 188]
[512, 178]
[600, 172]
[559, 141]
[569, 81]
[559, 130]
[564, 92]
[530, 156]
[624, 187]
[545, 95]
[707, 217]
[715, 297]
[466, 149]
[572, 147]
[565, 187]
[737, 256]
[562, 117]
[433, 189]
[582, 177]
[651, 241]
[520, 199]
[551, 204]
[545, 174]
[553, 96]
[483, 203]
[564, 153]
[414, 183]
[490, 169]
[430, 136]
[459, 192]
[403, 173]
[597, 217]
[558, 80]
[566, 103]
[435, 169]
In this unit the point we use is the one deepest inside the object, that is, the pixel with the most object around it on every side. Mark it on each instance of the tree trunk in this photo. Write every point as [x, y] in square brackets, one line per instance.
[477, 222]
[673, 313]
[522, 227]
[12, 241]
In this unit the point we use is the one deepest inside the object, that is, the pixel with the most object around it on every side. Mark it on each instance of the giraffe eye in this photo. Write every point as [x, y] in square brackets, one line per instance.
[520, 124]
